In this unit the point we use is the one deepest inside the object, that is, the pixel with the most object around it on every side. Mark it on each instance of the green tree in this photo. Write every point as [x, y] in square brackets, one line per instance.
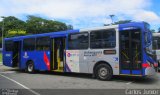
[119, 22]
[69, 27]
[122, 22]
[152, 30]
[33, 25]
[12, 23]
[37, 25]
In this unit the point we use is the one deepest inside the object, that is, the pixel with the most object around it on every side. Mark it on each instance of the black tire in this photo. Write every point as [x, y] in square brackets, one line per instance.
[103, 72]
[30, 67]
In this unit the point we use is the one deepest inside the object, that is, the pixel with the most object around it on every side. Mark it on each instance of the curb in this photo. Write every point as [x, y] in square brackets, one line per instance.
[1, 64]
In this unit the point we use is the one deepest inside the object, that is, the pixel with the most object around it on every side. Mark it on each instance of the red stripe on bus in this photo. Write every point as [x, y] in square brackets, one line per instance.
[46, 60]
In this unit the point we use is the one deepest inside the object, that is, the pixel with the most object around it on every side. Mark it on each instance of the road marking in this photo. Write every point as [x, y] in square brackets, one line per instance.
[20, 84]
[130, 82]
[8, 72]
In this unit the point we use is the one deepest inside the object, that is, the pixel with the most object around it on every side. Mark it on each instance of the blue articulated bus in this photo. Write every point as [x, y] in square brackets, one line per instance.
[124, 49]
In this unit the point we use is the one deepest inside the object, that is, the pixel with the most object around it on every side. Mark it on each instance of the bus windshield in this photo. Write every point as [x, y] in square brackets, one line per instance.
[148, 39]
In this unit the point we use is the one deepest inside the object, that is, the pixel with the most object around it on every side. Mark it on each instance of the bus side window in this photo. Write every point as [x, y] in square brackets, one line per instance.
[42, 43]
[78, 41]
[103, 39]
[8, 45]
[29, 44]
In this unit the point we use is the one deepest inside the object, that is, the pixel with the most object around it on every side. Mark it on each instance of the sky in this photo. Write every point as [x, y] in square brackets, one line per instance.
[85, 13]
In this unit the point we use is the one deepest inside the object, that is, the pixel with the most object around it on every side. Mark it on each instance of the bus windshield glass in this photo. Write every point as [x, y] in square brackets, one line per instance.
[148, 39]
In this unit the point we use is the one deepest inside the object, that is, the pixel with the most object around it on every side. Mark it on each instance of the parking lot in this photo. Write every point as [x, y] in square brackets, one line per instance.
[15, 79]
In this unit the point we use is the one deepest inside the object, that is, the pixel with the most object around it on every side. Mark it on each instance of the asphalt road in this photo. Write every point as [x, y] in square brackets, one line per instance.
[43, 83]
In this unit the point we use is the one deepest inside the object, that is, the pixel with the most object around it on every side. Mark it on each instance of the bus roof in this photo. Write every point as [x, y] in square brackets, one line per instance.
[133, 24]
[60, 33]
[142, 24]
[98, 28]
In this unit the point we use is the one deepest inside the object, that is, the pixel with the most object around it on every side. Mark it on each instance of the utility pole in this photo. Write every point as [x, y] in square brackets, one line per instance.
[2, 30]
[112, 16]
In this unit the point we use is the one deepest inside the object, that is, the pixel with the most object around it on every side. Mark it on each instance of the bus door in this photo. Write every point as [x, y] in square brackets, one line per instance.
[58, 54]
[130, 52]
[16, 53]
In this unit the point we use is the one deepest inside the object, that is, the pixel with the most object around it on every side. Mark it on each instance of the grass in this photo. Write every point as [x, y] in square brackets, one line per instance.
[0, 58]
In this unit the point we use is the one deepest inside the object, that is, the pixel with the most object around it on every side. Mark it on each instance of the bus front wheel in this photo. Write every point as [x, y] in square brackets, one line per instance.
[30, 67]
[103, 72]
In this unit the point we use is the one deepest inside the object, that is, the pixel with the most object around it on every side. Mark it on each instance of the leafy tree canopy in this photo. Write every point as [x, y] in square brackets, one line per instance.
[13, 26]
[122, 22]
[37, 25]
[11, 23]
[152, 30]
[119, 22]
[33, 25]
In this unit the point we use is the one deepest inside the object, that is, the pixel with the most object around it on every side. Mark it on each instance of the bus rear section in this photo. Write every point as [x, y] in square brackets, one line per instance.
[134, 47]
[11, 53]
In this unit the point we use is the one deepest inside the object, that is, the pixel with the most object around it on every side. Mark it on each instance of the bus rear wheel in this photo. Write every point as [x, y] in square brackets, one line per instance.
[30, 67]
[103, 72]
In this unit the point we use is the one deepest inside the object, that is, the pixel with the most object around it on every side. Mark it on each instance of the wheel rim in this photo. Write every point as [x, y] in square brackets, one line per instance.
[30, 67]
[103, 72]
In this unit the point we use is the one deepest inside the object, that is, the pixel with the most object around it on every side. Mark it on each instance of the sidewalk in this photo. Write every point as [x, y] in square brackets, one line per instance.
[5, 68]
[1, 63]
